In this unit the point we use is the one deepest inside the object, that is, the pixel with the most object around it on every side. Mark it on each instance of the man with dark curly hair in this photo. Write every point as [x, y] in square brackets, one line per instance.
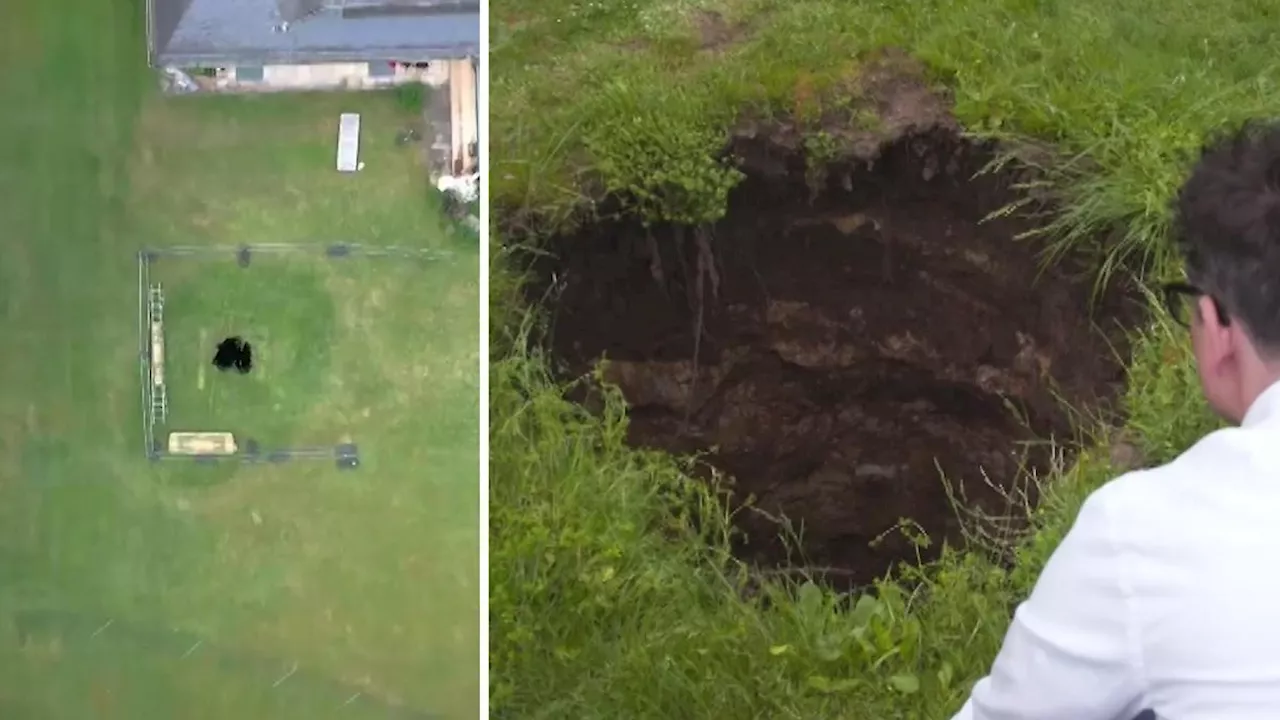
[1161, 601]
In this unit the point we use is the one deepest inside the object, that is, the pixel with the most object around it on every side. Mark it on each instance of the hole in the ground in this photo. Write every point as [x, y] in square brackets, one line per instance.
[859, 342]
[234, 353]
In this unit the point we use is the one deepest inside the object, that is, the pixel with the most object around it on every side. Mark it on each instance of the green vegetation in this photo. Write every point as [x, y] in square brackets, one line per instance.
[607, 598]
[186, 591]
[411, 96]
[288, 317]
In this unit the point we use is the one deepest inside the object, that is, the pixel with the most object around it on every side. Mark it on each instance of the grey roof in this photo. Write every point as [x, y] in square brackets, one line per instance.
[189, 33]
[295, 10]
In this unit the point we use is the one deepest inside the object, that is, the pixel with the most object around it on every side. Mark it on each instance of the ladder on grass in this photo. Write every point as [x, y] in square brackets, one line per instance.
[155, 315]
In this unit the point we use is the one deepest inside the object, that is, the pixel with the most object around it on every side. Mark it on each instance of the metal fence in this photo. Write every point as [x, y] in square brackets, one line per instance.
[144, 353]
[155, 395]
[333, 251]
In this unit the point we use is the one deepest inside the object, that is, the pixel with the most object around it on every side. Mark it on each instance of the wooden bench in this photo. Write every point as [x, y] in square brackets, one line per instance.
[202, 443]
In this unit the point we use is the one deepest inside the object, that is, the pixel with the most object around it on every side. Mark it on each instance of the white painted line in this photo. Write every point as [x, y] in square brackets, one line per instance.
[287, 675]
[105, 625]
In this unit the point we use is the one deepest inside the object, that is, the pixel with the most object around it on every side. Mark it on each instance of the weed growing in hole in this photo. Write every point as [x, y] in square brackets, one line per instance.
[820, 150]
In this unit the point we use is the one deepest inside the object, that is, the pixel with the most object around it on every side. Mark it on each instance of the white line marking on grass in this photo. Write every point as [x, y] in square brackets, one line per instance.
[200, 374]
[286, 676]
[105, 625]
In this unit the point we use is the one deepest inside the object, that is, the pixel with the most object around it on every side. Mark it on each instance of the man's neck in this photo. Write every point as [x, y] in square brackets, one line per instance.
[1256, 380]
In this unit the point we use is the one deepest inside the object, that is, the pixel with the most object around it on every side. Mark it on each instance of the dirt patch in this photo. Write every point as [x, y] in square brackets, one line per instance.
[715, 32]
[863, 337]
[886, 100]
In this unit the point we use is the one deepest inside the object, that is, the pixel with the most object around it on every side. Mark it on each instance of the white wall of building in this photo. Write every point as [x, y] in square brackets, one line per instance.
[322, 76]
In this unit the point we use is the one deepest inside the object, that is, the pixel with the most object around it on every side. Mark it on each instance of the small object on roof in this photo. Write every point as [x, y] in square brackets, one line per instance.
[348, 142]
[297, 10]
[243, 256]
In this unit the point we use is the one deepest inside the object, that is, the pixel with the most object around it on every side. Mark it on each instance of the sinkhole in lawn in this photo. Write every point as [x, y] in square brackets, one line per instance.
[234, 353]
[846, 345]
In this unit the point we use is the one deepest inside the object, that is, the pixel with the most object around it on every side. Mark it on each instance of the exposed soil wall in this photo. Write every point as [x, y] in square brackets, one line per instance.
[847, 344]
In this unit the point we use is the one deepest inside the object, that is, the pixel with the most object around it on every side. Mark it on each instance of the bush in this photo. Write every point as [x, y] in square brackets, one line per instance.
[411, 96]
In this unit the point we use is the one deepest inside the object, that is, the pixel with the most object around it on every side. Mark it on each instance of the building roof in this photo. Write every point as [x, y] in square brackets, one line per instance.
[189, 33]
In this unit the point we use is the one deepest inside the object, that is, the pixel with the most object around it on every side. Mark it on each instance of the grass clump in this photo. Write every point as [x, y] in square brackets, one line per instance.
[662, 151]
[411, 96]
[1126, 97]
[613, 591]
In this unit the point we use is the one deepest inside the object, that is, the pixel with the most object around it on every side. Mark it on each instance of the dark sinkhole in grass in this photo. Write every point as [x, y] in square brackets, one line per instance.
[234, 353]
[864, 338]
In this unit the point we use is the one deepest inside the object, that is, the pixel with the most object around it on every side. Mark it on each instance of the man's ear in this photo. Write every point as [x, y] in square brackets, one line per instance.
[1217, 342]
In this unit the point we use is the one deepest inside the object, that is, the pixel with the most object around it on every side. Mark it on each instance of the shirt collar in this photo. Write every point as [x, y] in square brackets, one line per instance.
[1265, 407]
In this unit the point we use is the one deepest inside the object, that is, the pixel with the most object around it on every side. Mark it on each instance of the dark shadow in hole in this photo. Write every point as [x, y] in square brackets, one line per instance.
[897, 336]
[234, 353]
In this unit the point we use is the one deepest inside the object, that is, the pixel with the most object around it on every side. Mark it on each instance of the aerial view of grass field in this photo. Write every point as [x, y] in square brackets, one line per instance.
[139, 588]
[872, 287]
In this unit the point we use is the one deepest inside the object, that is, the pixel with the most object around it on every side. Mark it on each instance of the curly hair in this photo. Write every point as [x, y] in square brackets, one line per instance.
[1227, 220]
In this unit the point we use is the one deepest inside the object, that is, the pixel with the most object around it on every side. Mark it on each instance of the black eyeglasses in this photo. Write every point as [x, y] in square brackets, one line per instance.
[1179, 300]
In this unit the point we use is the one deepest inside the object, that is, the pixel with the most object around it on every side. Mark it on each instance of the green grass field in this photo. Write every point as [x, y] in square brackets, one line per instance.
[282, 308]
[129, 589]
[314, 324]
[605, 602]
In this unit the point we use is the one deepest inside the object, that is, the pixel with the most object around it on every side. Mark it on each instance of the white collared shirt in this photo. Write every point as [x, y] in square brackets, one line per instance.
[1165, 595]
